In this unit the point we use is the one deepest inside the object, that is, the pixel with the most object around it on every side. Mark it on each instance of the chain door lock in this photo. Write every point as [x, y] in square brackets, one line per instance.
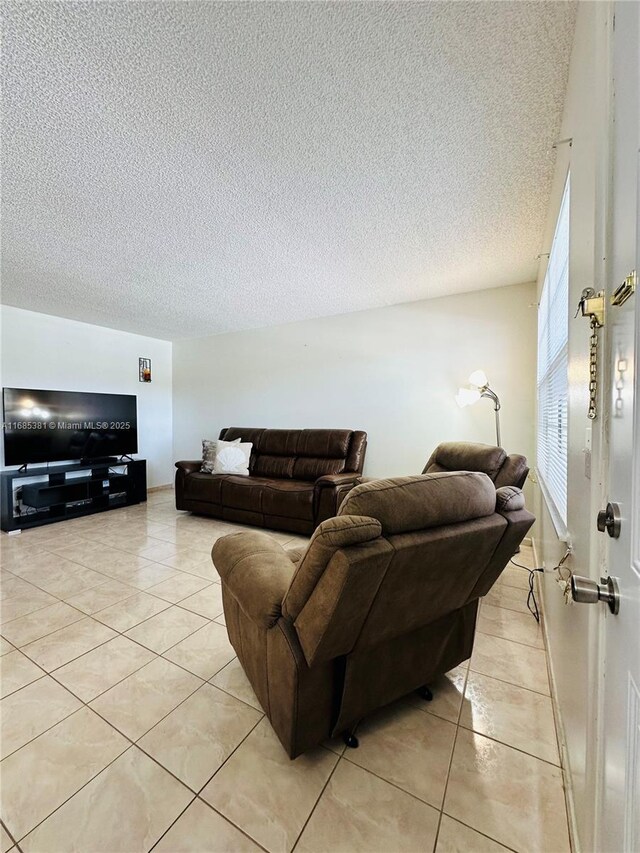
[586, 591]
[610, 519]
[591, 305]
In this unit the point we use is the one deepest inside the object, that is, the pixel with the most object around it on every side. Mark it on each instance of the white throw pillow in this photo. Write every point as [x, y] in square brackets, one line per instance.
[209, 451]
[232, 457]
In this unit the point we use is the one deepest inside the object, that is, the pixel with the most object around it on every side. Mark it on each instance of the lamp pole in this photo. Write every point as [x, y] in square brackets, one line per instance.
[485, 391]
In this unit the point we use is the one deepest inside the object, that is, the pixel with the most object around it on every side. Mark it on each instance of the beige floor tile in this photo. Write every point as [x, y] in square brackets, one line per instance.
[132, 611]
[28, 601]
[105, 559]
[5, 647]
[194, 740]
[455, 837]
[11, 586]
[205, 570]
[264, 793]
[510, 714]
[42, 622]
[17, 671]
[221, 620]
[68, 643]
[186, 560]
[158, 551]
[126, 808]
[232, 679]
[514, 798]
[205, 652]
[360, 813]
[447, 692]
[78, 552]
[140, 701]
[509, 597]
[202, 829]
[207, 602]
[27, 713]
[397, 744]
[142, 577]
[6, 842]
[510, 625]
[43, 774]
[64, 583]
[181, 586]
[167, 628]
[512, 662]
[98, 670]
[100, 597]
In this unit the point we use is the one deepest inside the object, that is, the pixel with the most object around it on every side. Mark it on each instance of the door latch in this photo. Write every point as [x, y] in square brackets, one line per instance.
[610, 519]
[586, 591]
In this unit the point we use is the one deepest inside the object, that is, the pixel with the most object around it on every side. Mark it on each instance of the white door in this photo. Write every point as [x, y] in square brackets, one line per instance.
[620, 803]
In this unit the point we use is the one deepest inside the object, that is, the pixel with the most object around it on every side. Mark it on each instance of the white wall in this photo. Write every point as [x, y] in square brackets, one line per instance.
[41, 351]
[573, 631]
[390, 371]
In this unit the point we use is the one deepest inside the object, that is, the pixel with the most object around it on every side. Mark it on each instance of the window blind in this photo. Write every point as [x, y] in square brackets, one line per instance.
[553, 363]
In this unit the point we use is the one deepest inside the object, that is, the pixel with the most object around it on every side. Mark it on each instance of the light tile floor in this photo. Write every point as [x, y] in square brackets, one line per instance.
[128, 724]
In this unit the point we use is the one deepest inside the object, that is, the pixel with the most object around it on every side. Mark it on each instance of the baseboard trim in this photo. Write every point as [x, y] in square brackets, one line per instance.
[560, 733]
[159, 488]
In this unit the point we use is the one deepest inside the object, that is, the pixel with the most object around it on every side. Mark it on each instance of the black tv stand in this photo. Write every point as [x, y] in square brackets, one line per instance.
[68, 491]
[99, 460]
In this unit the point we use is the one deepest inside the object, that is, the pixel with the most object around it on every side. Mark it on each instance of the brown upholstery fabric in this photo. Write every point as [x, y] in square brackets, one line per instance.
[376, 607]
[468, 456]
[428, 500]
[287, 487]
[257, 572]
[509, 498]
[328, 538]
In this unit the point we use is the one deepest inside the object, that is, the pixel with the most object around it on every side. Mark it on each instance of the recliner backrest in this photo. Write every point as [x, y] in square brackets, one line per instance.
[439, 536]
[301, 454]
[493, 461]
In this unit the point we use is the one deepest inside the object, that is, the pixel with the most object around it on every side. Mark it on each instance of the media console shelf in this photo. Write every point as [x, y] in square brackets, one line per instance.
[42, 495]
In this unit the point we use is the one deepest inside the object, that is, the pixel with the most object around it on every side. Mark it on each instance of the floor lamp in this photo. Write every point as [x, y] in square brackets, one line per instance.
[480, 388]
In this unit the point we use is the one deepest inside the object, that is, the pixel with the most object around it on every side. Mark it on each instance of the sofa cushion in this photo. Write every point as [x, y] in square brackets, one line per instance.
[203, 487]
[288, 498]
[280, 467]
[312, 467]
[466, 456]
[403, 504]
[327, 443]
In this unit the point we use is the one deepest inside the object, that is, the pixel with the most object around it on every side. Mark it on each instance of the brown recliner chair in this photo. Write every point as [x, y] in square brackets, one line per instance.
[383, 600]
[493, 461]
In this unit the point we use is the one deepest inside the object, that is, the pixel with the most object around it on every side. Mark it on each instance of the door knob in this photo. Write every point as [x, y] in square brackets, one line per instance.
[586, 591]
[609, 519]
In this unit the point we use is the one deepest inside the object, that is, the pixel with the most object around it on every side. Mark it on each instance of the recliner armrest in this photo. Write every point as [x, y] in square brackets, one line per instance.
[257, 571]
[189, 466]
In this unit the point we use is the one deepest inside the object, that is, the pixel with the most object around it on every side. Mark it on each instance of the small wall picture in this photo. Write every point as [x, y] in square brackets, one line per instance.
[144, 369]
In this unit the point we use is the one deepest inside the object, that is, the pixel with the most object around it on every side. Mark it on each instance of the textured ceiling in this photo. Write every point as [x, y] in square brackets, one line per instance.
[186, 168]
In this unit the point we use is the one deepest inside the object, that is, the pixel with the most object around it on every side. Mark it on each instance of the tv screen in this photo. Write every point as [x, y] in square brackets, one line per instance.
[52, 426]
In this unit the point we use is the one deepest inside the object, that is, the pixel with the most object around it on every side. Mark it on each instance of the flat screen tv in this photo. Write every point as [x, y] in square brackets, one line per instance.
[52, 426]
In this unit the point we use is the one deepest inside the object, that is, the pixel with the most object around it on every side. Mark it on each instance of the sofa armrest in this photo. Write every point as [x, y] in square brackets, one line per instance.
[189, 466]
[332, 480]
[256, 571]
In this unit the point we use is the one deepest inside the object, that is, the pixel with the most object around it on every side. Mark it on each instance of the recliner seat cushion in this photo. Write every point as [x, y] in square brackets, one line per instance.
[403, 504]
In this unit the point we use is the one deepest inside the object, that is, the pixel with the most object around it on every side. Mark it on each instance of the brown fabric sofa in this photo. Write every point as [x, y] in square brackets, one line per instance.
[297, 478]
[382, 601]
[493, 461]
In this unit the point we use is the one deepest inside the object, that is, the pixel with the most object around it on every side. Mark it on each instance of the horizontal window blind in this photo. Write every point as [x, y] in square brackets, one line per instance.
[553, 364]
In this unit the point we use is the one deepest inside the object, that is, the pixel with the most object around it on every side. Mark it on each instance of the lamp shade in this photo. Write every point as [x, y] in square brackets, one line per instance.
[479, 378]
[467, 397]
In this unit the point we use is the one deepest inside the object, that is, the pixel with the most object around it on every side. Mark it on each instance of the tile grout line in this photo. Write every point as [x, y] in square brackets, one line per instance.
[315, 805]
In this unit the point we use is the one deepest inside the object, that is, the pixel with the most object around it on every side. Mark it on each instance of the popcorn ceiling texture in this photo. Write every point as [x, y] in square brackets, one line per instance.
[180, 169]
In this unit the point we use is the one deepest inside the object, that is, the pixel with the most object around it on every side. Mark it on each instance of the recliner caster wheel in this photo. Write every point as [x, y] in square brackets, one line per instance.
[425, 693]
[351, 740]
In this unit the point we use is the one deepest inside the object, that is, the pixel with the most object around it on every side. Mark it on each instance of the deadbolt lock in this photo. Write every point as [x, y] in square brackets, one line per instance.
[609, 519]
[586, 591]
